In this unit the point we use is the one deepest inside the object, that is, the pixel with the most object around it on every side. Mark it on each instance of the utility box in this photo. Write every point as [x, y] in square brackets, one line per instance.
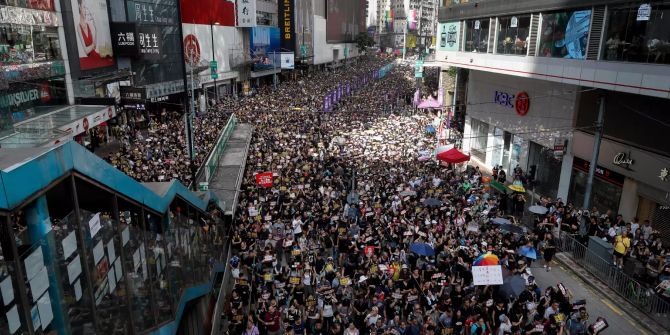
[601, 248]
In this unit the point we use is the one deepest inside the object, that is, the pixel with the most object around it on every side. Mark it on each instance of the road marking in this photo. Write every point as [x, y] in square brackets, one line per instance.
[638, 328]
[608, 304]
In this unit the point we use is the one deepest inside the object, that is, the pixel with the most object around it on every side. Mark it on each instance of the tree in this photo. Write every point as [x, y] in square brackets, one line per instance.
[363, 41]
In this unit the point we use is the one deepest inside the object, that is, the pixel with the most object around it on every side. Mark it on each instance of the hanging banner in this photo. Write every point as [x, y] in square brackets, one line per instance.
[246, 13]
[264, 179]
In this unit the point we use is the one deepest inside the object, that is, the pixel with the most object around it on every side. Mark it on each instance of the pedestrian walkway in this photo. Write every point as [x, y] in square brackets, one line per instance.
[622, 317]
[228, 177]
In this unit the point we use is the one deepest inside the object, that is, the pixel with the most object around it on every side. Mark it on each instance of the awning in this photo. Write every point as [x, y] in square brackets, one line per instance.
[57, 126]
[453, 156]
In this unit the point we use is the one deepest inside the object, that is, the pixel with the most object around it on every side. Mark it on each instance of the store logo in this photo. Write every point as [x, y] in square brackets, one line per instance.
[520, 102]
[191, 49]
[623, 160]
[44, 93]
[19, 98]
[452, 37]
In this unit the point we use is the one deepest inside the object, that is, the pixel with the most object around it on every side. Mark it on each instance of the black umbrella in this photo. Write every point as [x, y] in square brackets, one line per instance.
[432, 202]
[510, 228]
[512, 286]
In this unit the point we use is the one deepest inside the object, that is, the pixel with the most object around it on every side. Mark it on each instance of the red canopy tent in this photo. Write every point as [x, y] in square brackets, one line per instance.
[453, 156]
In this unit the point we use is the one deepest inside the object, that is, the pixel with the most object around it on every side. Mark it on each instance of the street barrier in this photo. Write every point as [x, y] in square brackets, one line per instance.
[639, 295]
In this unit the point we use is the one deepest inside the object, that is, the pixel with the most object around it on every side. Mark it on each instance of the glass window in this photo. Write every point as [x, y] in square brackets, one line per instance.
[477, 35]
[565, 34]
[11, 310]
[34, 4]
[546, 165]
[630, 40]
[21, 44]
[513, 34]
[480, 134]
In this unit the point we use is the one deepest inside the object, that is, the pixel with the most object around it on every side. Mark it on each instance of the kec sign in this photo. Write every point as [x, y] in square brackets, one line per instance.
[520, 102]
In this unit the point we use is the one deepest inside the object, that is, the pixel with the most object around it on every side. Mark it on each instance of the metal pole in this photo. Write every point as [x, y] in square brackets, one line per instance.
[404, 40]
[453, 104]
[274, 68]
[597, 138]
[216, 90]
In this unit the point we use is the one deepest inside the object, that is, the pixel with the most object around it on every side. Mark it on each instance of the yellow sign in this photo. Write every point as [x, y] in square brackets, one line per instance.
[411, 41]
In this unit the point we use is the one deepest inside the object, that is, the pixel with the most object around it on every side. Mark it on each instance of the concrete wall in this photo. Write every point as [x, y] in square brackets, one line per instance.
[323, 52]
[552, 106]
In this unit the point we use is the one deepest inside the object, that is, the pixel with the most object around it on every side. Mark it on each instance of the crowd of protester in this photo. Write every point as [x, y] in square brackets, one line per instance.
[327, 249]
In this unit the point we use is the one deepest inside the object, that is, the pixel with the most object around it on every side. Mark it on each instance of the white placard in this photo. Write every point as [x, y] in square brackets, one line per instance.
[94, 225]
[98, 252]
[514, 22]
[111, 279]
[13, 320]
[69, 245]
[288, 63]
[143, 254]
[44, 307]
[39, 283]
[246, 13]
[118, 269]
[125, 236]
[74, 269]
[644, 12]
[7, 290]
[487, 275]
[111, 252]
[136, 259]
[77, 290]
[34, 263]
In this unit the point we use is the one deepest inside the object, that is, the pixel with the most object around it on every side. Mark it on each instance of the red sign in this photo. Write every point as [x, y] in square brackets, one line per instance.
[522, 103]
[191, 49]
[369, 250]
[264, 179]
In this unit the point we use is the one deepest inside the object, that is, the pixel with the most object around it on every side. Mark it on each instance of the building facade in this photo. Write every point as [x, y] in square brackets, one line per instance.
[536, 76]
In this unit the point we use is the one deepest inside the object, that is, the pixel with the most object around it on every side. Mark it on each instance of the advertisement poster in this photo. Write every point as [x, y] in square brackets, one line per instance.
[265, 51]
[286, 13]
[94, 42]
[565, 34]
[287, 61]
[449, 34]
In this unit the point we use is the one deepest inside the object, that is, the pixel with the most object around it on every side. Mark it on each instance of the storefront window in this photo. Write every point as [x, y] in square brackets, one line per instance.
[477, 35]
[638, 38]
[547, 169]
[565, 34]
[20, 44]
[604, 194]
[513, 34]
[480, 134]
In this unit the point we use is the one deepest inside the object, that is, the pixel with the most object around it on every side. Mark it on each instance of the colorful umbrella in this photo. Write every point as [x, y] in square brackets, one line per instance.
[517, 188]
[487, 259]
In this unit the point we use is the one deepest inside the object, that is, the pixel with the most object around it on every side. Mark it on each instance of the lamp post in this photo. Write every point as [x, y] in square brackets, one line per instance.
[211, 28]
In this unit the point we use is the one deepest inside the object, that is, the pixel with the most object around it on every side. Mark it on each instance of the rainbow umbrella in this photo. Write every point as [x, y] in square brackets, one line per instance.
[487, 259]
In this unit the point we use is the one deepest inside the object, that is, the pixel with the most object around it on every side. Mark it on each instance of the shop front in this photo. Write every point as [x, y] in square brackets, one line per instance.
[630, 181]
[517, 122]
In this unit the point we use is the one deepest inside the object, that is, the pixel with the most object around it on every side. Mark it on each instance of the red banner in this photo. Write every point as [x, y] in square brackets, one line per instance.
[264, 179]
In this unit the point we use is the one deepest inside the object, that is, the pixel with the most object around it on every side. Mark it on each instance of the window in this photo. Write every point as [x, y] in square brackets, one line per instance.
[477, 35]
[21, 44]
[513, 34]
[34, 4]
[480, 133]
[565, 34]
[631, 40]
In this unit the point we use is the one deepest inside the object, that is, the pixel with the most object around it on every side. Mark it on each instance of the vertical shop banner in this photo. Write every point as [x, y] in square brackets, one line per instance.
[265, 51]
[449, 36]
[91, 25]
[286, 15]
[246, 13]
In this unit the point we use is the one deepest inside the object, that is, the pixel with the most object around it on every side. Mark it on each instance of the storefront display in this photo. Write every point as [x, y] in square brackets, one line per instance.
[607, 186]
[34, 4]
[21, 44]
[565, 34]
[632, 37]
[513, 33]
[477, 35]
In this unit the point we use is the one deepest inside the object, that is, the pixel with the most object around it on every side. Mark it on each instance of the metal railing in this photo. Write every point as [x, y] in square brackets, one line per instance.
[639, 295]
[208, 169]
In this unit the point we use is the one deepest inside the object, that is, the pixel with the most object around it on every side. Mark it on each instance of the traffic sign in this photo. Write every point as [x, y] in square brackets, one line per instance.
[213, 66]
[418, 69]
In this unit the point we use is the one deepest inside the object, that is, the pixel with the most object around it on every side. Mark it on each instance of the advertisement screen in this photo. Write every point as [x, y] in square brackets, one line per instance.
[94, 42]
[265, 51]
[345, 19]
[565, 34]
[34, 4]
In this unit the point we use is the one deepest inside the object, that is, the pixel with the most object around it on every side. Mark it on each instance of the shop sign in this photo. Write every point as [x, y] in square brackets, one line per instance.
[124, 39]
[663, 174]
[286, 14]
[17, 99]
[149, 41]
[601, 172]
[160, 99]
[246, 13]
[623, 160]
[644, 12]
[520, 102]
[137, 93]
[152, 11]
[27, 16]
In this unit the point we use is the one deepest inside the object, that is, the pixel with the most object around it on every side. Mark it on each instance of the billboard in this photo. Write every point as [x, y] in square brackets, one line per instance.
[286, 13]
[94, 42]
[449, 35]
[219, 12]
[565, 34]
[287, 60]
[345, 19]
[264, 48]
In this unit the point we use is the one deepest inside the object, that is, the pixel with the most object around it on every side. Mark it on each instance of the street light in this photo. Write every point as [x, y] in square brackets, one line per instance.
[216, 90]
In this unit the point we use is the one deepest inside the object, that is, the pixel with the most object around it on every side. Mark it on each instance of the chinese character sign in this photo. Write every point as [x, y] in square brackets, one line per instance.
[246, 13]
[149, 41]
[487, 275]
[264, 179]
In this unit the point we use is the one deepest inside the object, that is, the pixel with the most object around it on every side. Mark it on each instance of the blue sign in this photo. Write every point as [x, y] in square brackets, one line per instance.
[504, 99]
[265, 49]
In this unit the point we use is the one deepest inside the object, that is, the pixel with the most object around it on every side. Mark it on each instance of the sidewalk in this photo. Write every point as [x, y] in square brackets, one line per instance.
[620, 314]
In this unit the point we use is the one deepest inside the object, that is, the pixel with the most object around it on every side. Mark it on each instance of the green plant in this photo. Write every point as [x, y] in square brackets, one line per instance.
[363, 41]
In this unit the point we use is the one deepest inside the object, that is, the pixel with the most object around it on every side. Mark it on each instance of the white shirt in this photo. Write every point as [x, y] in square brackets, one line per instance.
[297, 229]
